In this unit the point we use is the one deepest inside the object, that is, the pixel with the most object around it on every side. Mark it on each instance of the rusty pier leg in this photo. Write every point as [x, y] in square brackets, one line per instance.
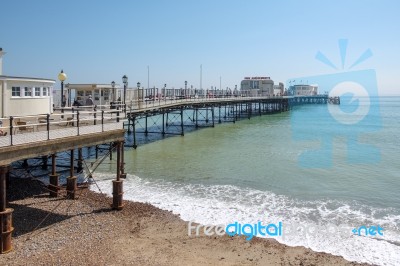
[123, 174]
[6, 227]
[54, 185]
[117, 184]
[80, 160]
[71, 180]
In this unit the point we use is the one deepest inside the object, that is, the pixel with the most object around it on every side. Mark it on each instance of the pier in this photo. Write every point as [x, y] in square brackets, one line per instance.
[69, 129]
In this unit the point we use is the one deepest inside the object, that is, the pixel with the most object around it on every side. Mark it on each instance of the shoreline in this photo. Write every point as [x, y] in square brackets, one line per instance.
[86, 231]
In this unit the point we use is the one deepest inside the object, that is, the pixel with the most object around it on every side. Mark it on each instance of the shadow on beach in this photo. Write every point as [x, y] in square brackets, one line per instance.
[24, 195]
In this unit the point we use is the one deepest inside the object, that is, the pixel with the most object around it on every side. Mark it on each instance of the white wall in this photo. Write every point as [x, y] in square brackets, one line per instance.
[1, 98]
[27, 105]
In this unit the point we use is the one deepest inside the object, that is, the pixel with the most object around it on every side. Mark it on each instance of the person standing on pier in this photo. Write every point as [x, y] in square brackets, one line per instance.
[89, 101]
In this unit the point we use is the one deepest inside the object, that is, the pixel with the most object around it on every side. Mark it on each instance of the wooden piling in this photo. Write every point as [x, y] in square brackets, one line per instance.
[6, 227]
[118, 184]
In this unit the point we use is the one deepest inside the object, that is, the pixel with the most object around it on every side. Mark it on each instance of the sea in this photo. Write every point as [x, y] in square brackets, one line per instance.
[332, 183]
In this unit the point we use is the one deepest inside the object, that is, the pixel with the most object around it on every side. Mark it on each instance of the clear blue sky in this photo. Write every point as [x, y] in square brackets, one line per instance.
[100, 41]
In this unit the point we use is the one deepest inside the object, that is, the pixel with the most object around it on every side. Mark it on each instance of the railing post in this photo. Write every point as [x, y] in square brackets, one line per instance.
[95, 115]
[102, 120]
[129, 123]
[77, 120]
[11, 129]
[48, 126]
[73, 124]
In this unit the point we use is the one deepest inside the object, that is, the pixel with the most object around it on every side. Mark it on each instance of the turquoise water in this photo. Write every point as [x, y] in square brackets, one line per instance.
[250, 171]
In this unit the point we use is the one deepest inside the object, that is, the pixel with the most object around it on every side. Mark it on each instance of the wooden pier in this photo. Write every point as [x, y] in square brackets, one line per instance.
[72, 129]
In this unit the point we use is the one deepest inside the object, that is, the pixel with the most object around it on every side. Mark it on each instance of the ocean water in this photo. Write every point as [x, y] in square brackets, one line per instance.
[252, 171]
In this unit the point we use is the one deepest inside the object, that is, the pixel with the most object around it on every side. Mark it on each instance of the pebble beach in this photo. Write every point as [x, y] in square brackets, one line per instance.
[86, 231]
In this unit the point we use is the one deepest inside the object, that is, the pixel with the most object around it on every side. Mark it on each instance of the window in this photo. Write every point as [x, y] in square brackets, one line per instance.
[28, 91]
[16, 91]
[37, 91]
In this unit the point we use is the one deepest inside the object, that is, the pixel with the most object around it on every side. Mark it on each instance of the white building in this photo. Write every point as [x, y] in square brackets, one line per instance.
[257, 86]
[279, 89]
[21, 96]
[102, 94]
[303, 90]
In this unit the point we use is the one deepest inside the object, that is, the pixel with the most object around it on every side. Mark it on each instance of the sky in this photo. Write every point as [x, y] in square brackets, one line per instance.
[170, 41]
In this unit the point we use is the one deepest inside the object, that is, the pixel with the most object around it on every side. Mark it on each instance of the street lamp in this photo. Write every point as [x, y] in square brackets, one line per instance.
[125, 81]
[62, 77]
[185, 87]
[165, 92]
[113, 89]
[138, 87]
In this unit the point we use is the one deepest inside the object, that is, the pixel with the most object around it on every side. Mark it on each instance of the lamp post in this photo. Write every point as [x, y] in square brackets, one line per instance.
[138, 87]
[125, 81]
[113, 90]
[185, 87]
[165, 92]
[62, 77]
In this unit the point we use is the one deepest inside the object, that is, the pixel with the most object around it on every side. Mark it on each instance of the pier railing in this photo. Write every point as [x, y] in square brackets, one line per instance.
[17, 130]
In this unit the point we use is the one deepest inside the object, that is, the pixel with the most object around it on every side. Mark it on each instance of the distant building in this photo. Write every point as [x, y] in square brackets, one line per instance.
[279, 89]
[258, 86]
[102, 94]
[303, 90]
[21, 96]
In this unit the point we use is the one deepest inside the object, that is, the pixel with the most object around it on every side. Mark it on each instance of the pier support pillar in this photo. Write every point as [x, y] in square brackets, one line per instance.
[123, 174]
[71, 187]
[6, 227]
[163, 124]
[219, 113]
[129, 123]
[134, 131]
[117, 195]
[213, 116]
[145, 125]
[71, 180]
[196, 118]
[80, 160]
[118, 184]
[54, 184]
[44, 161]
[182, 132]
